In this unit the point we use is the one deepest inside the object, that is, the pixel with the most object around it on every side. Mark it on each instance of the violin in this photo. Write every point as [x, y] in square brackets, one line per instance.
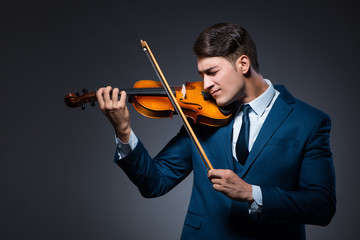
[159, 100]
[150, 99]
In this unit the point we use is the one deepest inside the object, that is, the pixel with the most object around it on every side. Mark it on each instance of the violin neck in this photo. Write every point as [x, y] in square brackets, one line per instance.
[148, 91]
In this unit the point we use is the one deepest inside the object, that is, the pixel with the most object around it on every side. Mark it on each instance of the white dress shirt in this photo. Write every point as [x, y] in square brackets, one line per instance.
[260, 108]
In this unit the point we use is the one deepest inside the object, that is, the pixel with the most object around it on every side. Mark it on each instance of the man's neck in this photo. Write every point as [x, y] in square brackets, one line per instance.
[255, 85]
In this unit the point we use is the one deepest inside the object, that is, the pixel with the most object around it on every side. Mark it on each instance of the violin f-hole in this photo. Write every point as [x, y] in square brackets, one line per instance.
[188, 103]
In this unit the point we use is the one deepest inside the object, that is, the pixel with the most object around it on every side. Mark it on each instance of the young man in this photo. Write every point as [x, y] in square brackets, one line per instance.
[273, 170]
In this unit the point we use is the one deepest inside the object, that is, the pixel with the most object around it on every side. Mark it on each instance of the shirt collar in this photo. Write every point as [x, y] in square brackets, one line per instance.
[260, 103]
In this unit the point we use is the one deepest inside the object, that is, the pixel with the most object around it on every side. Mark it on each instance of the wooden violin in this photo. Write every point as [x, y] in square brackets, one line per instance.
[150, 99]
[159, 100]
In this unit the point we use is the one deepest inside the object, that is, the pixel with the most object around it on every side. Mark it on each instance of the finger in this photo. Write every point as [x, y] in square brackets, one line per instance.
[210, 173]
[218, 187]
[115, 96]
[123, 96]
[100, 98]
[216, 181]
[107, 96]
[215, 173]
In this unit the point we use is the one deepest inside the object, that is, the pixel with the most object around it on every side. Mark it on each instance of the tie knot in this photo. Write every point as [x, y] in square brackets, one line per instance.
[246, 109]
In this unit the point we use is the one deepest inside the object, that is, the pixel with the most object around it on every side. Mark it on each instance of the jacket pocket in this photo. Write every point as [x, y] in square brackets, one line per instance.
[193, 220]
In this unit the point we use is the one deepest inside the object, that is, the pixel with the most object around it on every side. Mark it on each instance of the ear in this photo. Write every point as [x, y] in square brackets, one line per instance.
[243, 64]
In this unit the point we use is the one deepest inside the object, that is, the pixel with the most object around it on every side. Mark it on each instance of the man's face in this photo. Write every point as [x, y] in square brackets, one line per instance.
[222, 79]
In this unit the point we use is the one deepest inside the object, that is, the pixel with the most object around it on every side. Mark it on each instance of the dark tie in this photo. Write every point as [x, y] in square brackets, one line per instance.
[242, 144]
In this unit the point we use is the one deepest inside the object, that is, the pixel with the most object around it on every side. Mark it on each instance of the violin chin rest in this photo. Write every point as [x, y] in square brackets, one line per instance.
[227, 110]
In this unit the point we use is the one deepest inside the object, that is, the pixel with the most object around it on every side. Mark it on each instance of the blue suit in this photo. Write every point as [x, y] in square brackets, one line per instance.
[290, 160]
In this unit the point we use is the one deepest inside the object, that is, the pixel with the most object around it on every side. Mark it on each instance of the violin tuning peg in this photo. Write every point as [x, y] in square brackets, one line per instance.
[92, 103]
[82, 104]
[85, 90]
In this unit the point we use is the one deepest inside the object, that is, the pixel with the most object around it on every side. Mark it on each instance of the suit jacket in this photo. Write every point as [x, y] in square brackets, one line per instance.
[290, 160]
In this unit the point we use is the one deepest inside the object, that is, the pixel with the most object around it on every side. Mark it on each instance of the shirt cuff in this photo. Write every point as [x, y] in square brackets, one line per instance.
[255, 207]
[124, 149]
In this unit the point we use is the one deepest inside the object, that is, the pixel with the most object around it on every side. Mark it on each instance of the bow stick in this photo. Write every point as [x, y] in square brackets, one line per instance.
[177, 108]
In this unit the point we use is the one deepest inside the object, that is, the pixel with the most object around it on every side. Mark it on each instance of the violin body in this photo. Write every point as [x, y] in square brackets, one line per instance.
[195, 103]
[149, 99]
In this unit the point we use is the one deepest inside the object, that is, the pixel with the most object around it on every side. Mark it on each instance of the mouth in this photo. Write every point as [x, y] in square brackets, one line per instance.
[214, 93]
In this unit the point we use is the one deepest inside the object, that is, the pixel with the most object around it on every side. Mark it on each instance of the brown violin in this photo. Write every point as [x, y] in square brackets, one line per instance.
[159, 100]
[150, 99]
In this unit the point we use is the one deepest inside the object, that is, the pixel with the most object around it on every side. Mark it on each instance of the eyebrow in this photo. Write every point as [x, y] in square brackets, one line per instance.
[206, 70]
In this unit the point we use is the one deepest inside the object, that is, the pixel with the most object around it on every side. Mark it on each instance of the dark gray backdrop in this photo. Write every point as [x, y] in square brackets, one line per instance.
[58, 179]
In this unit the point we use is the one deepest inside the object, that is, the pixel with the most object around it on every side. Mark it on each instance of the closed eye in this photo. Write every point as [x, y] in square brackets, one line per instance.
[211, 73]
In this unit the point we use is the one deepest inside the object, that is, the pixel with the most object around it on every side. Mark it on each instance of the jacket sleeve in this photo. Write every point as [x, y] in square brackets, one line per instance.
[156, 176]
[314, 202]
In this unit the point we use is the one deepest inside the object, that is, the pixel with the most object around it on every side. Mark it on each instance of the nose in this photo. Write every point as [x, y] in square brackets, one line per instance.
[208, 83]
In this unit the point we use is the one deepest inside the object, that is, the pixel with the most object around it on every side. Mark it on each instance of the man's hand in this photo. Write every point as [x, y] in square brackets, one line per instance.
[115, 110]
[230, 184]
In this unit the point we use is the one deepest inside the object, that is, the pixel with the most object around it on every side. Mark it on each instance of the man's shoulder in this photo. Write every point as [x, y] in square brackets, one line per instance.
[300, 107]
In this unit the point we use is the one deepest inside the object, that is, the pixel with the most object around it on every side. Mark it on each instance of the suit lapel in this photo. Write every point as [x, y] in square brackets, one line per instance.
[277, 115]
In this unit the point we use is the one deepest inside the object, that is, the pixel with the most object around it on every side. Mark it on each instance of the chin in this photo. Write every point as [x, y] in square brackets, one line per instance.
[221, 103]
[224, 102]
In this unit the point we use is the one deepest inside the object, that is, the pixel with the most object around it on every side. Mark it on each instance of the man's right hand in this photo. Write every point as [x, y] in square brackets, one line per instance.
[115, 110]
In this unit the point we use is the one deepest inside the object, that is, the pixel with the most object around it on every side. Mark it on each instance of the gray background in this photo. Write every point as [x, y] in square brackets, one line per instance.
[58, 179]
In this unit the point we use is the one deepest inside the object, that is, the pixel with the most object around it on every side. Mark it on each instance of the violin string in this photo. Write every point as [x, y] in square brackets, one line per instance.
[147, 91]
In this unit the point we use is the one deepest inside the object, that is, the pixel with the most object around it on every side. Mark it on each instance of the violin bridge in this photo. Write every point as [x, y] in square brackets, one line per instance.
[183, 91]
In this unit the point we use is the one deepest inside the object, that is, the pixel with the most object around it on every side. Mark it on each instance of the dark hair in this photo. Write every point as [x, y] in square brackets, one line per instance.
[226, 40]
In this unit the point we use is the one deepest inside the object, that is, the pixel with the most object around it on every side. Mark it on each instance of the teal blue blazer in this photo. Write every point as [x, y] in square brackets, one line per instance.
[291, 161]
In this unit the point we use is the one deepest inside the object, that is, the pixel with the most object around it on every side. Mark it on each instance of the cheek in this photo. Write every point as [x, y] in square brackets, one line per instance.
[234, 84]
[235, 88]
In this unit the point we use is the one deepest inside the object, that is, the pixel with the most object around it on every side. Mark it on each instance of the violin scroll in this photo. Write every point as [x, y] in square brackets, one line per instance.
[74, 100]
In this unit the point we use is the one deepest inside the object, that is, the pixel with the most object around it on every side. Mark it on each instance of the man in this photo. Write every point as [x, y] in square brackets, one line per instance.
[273, 169]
